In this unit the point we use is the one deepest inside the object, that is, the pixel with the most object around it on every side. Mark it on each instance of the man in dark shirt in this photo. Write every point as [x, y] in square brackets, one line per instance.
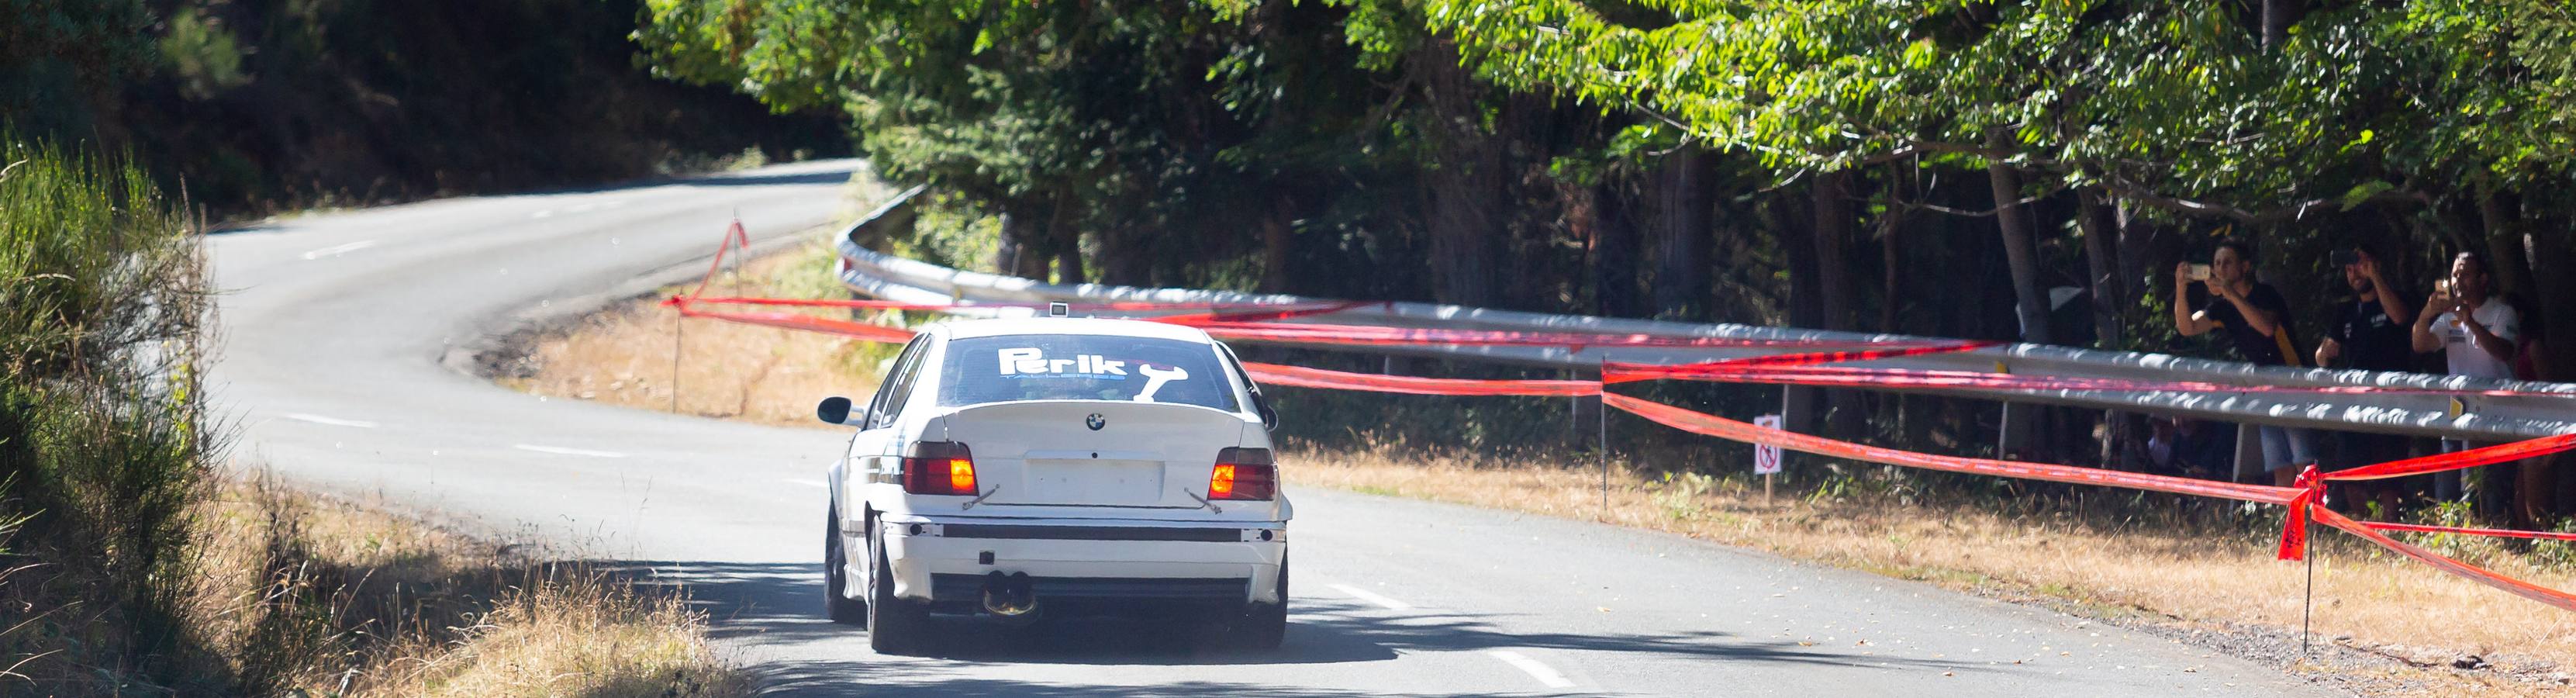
[2254, 314]
[2256, 319]
[2370, 334]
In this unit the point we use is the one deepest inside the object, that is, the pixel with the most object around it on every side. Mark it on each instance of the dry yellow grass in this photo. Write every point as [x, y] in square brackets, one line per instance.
[623, 355]
[2383, 602]
[322, 597]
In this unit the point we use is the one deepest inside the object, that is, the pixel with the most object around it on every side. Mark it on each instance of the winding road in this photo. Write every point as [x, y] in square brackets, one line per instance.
[341, 368]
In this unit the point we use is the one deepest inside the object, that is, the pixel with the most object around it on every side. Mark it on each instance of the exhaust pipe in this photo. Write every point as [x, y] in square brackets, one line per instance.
[1009, 596]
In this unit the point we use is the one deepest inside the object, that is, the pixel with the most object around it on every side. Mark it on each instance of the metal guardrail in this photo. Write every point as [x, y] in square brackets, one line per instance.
[2466, 417]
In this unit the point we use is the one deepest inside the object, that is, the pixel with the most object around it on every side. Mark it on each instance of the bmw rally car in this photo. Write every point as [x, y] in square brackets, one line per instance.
[1057, 466]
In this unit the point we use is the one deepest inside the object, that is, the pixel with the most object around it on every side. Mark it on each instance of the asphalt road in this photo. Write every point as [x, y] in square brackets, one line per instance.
[337, 329]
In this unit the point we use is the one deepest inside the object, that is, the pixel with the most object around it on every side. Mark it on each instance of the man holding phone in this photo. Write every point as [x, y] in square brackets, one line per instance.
[2477, 334]
[2256, 319]
[2370, 334]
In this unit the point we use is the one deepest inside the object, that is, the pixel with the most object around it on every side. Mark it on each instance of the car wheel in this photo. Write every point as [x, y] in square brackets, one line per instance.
[894, 625]
[1265, 625]
[837, 603]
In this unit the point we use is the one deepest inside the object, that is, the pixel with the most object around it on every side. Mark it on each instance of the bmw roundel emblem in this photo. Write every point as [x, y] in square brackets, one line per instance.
[1095, 421]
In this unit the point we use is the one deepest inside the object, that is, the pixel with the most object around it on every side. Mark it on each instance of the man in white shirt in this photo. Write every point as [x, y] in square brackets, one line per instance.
[2475, 331]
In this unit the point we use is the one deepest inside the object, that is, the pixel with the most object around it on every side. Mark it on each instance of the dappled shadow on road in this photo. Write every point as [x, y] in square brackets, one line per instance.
[764, 180]
[841, 678]
[780, 604]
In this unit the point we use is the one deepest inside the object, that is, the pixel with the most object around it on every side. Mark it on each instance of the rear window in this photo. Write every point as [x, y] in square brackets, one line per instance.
[1011, 368]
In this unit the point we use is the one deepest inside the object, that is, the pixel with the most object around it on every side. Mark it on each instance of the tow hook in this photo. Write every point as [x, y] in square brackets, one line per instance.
[1009, 596]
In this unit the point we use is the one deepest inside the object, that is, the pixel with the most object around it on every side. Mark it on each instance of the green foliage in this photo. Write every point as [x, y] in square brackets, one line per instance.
[102, 433]
[261, 105]
[205, 58]
[1561, 155]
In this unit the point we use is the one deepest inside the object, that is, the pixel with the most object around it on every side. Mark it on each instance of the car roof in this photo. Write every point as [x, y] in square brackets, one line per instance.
[962, 329]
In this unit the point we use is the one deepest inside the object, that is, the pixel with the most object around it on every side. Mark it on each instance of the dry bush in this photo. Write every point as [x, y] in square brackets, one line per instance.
[330, 598]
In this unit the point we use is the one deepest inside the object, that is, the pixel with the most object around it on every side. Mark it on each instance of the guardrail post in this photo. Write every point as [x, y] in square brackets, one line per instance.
[2249, 454]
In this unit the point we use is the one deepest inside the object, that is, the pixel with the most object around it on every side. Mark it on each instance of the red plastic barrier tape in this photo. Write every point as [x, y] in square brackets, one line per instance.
[1372, 335]
[1624, 372]
[1721, 427]
[1113, 306]
[1265, 315]
[1340, 380]
[1887, 378]
[2490, 532]
[734, 234]
[2474, 573]
[2311, 483]
[862, 330]
[2528, 448]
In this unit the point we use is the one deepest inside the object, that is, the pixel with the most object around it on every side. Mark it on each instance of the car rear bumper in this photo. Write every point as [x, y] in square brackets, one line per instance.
[1086, 563]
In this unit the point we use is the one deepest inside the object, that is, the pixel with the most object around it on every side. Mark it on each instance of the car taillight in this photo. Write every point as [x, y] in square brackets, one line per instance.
[939, 467]
[1243, 473]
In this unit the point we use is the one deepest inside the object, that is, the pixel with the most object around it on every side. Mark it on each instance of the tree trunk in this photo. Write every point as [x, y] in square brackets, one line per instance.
[1067, 240]
[1023, 252]
[1614, 253]
[2278, 15]
[2139, 250]
[2508, 264]
[1466, 188]
[2023, 260]
[1006, 254]
[1275, 239]
[1806, 309]
[1891, 227]
[2556, 292]
[1832, 238]
[2102, 260]
[2020, 256]
[1068, 261]
[1682, 232]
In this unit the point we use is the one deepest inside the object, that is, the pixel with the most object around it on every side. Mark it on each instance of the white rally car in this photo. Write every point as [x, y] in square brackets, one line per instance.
[1060, 467]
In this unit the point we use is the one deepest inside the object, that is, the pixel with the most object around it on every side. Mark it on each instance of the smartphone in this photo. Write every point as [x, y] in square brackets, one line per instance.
[2346, 258]
[2200, 272]
[2442, 286]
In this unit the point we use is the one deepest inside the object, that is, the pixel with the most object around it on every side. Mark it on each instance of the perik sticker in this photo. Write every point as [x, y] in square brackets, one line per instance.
[1032, 362]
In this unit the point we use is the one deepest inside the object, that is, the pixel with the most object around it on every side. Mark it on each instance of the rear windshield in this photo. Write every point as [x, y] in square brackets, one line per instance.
[978, 370]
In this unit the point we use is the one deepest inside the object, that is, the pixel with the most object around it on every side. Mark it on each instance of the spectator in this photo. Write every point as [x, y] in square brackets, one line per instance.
[2476, 333]
[2370, 334]
[2256, 319]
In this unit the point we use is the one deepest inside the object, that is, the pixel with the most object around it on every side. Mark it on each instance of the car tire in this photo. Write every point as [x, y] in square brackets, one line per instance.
[895, 626]
[837, 603]
[1265, 625]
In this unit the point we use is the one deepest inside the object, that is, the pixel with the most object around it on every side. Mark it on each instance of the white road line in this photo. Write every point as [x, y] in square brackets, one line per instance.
[808, 483]
[319, 419]
[1370, 596]
[548, 213]
[1531, 667]
[337, 250]
[569, 451]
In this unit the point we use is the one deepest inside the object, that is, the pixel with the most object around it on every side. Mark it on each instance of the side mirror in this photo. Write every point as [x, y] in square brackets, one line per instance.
[833, 410]
[1269, 417]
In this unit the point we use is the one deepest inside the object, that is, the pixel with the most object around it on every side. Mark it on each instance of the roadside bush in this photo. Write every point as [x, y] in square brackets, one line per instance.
[102, 427]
